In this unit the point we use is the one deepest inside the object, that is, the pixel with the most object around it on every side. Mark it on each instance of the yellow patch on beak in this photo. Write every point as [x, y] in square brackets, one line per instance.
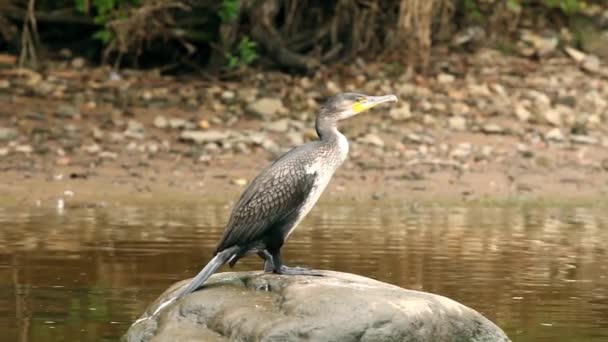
[358, 107]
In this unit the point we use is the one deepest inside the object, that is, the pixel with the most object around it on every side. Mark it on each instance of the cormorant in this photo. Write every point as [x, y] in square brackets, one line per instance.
[282, 194]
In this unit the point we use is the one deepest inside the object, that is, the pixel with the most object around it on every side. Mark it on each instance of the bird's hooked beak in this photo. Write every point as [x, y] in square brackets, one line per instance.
[372, 101]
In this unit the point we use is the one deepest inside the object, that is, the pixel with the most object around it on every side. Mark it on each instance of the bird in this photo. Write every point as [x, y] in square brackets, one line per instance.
[279, 198]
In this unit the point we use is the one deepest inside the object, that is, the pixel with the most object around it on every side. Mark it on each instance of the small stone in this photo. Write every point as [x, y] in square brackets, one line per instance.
[553, 117]
[67, 112]
[8, 134]
[524, 150]
[160, 122]
[457, 123]
[295, 138]
[78, 63]
[179, 123]
[98, 134]
[266, 108]
[204, 124]
[401, 113]
[152, 148]
[4, 151]
[280, 126]
[583, 139]
[92, 149]
[5, 84]
[203, 137]
[522, 113]
[591, 64]
[26, 149]
[108, 155]
[211, 147]
[135, 130]
[371, 139]
[271, 146]
[555, 135]
[445, 78]
[239, 181]
[492, 129]
[462, 151]
[116, 137]
[228, 95]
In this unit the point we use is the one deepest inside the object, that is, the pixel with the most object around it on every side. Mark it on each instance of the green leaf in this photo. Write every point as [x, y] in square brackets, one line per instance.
[514, 6]
[104, 36]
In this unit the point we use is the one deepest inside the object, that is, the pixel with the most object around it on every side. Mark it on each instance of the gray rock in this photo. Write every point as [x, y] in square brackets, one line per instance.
[555, 135]
[108, 155]
[266, 108]
[371, 139]
[92, 149]
[161, 122]
[445, 78]
[204, 137]
[7, 134]
[522, 113]
[583, 139]
[26, 149]
[401, 113]
[491, 128]
[553, 117]
[280, 126]
[457, 123]
[253, 306]
[135, 130]
[67, 111]
[295, 138]
[179, 123]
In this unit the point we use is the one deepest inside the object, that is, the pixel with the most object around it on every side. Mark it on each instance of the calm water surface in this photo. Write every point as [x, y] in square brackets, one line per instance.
[86, 274]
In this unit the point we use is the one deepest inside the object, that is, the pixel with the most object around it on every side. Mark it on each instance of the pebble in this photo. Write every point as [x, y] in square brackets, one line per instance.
[160, 122]
[26, 149]
[553, 117]
[555, 135]
[7, 134]
[280, 126]
[583, 139]
[4, 151]
[492, 129]
[108, 155]
[266, 108]
[445, 78]
[67, 112]
[371, 139]
[295, 138]
[401, 113]
[457, 123]
[203, 137]
[239, 181]
[522, 113]
[92, 149]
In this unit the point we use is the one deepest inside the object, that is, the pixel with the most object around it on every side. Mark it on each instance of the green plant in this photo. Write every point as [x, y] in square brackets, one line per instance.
[104, 11]
[567, 6]
[229, 10]
[245, 54]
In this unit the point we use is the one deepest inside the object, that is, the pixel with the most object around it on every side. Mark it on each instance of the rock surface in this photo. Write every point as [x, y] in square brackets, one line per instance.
[253, 306]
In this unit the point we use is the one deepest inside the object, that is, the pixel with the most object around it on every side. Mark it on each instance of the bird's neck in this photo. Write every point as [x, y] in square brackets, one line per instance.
[328, 133]
[327, 129]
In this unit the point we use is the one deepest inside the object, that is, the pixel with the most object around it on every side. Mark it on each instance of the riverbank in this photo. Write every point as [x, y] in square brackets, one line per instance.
[483, 127]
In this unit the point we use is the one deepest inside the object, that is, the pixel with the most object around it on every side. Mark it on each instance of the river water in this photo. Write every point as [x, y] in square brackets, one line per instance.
[84, 274]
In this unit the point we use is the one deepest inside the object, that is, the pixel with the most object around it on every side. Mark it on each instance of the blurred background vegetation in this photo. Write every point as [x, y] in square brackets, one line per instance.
[292, 35]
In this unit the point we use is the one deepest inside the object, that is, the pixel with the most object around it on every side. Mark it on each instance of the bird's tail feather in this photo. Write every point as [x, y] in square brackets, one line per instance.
[218, 260]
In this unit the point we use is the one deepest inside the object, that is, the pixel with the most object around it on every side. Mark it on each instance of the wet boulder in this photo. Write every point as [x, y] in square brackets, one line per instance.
[253, 306]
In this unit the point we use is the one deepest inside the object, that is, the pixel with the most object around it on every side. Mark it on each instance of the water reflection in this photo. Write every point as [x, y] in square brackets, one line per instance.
[85, 274]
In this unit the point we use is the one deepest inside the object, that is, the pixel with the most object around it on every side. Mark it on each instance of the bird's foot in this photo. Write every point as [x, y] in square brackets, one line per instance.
[297, 271]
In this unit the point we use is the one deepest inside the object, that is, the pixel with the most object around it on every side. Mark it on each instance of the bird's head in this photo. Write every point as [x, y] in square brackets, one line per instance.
[346, 105]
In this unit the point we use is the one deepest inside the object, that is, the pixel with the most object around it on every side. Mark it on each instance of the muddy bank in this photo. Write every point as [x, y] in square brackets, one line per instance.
[482, 127]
